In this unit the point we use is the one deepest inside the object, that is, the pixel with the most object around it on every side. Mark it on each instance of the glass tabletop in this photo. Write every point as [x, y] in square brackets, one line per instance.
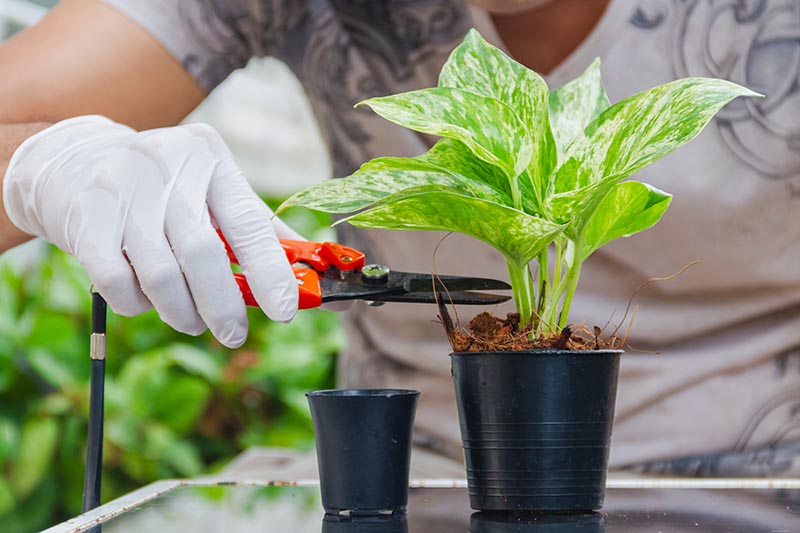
[234, 508]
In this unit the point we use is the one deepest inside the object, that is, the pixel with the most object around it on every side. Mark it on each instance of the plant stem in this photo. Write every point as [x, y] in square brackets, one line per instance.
[543, 281]
[522, 285]
[516, 196]
[572, 283]
[540, 306]
[559, 245]
[550, 310]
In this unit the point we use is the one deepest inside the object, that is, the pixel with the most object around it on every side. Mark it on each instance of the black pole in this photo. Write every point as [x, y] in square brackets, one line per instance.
[94, 439]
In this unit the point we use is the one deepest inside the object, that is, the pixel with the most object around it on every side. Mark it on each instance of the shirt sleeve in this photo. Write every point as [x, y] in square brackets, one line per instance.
[212, 38]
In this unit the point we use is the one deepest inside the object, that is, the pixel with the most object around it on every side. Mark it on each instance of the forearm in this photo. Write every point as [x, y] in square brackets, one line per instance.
[85, 58]
[11, 136]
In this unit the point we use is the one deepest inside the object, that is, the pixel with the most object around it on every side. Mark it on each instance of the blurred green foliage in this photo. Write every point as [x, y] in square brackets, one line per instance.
[176, 406]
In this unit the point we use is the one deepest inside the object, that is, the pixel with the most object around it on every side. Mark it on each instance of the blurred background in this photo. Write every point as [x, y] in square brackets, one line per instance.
[176, 406]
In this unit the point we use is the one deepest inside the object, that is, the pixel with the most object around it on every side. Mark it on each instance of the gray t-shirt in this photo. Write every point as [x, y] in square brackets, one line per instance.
[722, 397]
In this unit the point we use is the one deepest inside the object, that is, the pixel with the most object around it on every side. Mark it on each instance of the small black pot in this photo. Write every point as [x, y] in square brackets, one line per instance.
[494, 522]
[397, 523]
[536, 427]
[363, 442]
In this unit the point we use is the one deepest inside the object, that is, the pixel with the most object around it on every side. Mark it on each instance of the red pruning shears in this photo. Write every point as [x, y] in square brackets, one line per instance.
[329, 272]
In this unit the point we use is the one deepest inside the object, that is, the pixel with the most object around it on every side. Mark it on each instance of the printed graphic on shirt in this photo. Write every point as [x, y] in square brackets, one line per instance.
[347, 51]
[755, 43]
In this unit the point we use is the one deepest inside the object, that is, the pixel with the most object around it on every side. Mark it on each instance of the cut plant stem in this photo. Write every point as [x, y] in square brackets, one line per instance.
[543, 287]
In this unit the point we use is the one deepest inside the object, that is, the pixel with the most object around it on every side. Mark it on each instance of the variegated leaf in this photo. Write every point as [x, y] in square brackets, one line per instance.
[490, 128]
[574, 207]
[643, 128]
[453, 158]
[575, 105]
[629, 208]
[367, 186]
[477, 66]
[517, 235]
[456, 157]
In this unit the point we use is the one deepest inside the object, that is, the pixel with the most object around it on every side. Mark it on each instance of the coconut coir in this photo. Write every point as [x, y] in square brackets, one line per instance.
[489, 333]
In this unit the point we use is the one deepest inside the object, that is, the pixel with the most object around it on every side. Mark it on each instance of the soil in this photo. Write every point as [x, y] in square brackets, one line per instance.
[489, 333]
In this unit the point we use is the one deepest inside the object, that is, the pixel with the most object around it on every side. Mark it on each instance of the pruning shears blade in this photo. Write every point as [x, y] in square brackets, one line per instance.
[448, 298]
[436, 283]
[410, 287]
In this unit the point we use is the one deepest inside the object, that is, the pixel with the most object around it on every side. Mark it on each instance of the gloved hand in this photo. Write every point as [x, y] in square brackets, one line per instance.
[136, 210]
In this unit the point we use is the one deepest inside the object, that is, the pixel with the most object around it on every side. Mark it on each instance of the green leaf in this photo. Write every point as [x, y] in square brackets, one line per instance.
[196, 361]
[575, 105]
[643, 128]
[9, 438]
[48, 365]
[449, 163]
[181, 455]
[143, 379]
[7, 500]
[37, 446]
[37, 511]
[490, 129]
[56, 404]
[629, 208]
[522, 237]
[453, 156]
[139, 467]
[377, 180]
[7, 365]
[575, 207]
[479, 67]
[469, 174]
[181, 404]
[56, 351]
[290, 360]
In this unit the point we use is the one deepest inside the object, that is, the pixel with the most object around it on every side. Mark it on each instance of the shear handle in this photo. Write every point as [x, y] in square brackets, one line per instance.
[309, 289]
[318, 256]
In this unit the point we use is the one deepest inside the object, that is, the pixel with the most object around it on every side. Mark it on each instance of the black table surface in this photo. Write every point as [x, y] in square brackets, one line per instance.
[238, 508]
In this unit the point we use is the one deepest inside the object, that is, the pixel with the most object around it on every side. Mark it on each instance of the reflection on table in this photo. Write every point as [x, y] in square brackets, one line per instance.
[243, 508]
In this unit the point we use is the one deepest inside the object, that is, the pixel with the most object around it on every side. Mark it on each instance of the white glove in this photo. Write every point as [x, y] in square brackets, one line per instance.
[136, 210]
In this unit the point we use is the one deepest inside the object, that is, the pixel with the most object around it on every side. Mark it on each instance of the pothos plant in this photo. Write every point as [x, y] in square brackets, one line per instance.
[529, 171]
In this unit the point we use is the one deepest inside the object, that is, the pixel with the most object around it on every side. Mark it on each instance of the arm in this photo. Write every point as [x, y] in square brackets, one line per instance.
[84, 57]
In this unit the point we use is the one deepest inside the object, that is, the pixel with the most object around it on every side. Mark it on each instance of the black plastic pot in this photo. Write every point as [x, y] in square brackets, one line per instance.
[498, 522]
[536, 427]
[396, 523]
[363, 442]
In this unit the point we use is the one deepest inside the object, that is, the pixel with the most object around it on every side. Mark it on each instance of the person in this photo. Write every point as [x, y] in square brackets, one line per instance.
[96, 165]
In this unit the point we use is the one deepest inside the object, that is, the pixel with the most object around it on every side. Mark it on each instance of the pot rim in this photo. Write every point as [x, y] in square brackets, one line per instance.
[542, 351]
[362, 393]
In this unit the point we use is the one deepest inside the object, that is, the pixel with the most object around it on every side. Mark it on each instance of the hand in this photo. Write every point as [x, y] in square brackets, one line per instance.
[136, 210]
